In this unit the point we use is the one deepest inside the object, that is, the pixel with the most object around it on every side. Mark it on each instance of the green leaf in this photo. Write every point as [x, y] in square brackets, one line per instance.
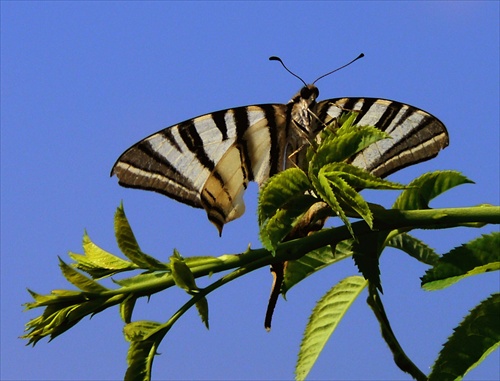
[140, 358]
[145, 337]
[475, 257]
[64, 312]
[202, 307]
[127, 307]
[312, 262]
[475, 338]
[276, 228]
[428, 186]
[98, 262]
[357, 177]
[414, 247]
[366, 253]
[347, 141]
[129, 246]
[79, 280]
[41, 300]
[335, 128]
[282, 201]
[323, 187]
[140, 330]
[280, 191]
[184, 278]
[182, 274]
[350, 199]
[335, 184]
[325, 317]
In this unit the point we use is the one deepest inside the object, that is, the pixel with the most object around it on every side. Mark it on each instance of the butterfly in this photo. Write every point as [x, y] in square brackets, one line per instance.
[208, 161]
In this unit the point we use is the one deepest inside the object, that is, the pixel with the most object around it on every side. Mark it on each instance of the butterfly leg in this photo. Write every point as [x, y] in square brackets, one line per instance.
[278, 271]
[311, 222]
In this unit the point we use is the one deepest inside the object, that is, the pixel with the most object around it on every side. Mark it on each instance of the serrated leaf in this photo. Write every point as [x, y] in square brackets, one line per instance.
[344, 144]
[414, 247]
[182, 274]
[366, 252]
[140, 330]
[95, 258]
[272, 232]
[140, 358]
[96, 272]
[53, 322]
[346, 121]
[276, 228]
[184, 278]
[129, 246]
[146, 336]
[65, 293]
[325, 317]
[323, 188]
[127, 307]
[60, 316]
[280, 190]
[124, 235]
[475, 338]
[98, 262]
[202, 307]
[336, 127]
[358, 178]
[475, 257]
[79, 280]
[103, 258]
[350, 199]
[40, 300]
[428, 186]
[299, 269]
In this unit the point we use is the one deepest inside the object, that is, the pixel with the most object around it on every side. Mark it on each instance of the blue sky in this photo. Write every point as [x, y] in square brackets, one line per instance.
[82, 81]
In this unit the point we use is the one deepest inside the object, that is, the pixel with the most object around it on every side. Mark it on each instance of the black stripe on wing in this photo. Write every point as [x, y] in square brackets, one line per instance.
[274, 155]
[242, 124]
[194, 143]
[220, 122]
[141, 167]
[417, 135]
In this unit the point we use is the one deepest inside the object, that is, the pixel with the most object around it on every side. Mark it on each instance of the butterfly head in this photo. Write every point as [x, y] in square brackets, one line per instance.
[306, 96]
[309, 93]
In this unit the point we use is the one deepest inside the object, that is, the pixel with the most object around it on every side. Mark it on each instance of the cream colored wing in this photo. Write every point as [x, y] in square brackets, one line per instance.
[207, 162]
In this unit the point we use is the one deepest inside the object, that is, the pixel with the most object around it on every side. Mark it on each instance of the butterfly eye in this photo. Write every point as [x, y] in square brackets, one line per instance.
[309, 91]
[305, 92]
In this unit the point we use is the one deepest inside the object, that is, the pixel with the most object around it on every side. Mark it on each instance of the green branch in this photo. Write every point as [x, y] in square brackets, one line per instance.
[390, 220]
[148, 284]
[287, 251]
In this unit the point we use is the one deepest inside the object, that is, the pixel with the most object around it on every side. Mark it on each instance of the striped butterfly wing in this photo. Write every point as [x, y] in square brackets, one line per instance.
[416, 135]
[207, 161]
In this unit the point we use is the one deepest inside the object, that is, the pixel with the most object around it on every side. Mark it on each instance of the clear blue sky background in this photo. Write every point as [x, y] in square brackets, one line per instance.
[82, 81]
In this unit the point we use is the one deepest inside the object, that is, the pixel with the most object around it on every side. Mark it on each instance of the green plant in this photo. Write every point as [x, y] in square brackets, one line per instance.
[292, 206]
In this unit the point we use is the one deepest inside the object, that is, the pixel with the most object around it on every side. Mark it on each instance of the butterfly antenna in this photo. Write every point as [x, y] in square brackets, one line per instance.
[333, 71]
[274, 58]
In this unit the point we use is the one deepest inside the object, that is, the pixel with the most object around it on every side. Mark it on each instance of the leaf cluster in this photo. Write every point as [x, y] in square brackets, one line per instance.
[293, 207]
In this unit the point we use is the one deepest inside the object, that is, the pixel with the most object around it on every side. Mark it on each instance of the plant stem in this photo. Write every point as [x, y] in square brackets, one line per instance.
[400, 357]
[295, 249]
